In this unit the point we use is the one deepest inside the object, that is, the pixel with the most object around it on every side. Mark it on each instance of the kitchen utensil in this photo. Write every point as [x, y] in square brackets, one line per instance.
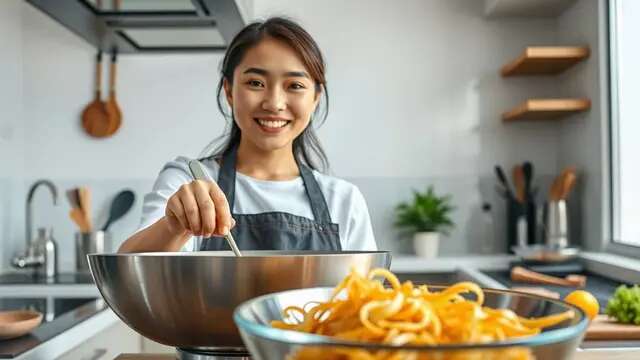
[605, 328]
[90, 243]
[265, 342]
[527, 170]
[568, 181]
[95, 119]
[520, 274]
[503, 180]
[80, 220]
[186, 299]
[72, 196]
[120, 205]
[16, 323]
[544, 253]
[84, 195]
[556, 225]
[199, 173]
[518, 181]
[112, 108]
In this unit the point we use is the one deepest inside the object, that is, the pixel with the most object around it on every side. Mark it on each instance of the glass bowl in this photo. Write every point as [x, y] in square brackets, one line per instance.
[254, 316]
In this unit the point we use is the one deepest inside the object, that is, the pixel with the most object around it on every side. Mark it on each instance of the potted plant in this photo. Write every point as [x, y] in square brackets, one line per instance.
[426, 217]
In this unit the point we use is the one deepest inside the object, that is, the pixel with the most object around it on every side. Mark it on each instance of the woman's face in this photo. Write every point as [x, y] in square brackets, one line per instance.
[272, 96]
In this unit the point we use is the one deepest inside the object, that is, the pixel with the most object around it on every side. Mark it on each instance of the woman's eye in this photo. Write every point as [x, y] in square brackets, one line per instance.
[254, 83]
[297, 86]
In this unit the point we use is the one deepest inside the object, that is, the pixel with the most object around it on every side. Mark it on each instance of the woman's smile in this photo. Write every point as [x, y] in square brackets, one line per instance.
[272, 125]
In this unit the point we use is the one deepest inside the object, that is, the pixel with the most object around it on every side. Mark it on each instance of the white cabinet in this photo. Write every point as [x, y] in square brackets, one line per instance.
[107, 344]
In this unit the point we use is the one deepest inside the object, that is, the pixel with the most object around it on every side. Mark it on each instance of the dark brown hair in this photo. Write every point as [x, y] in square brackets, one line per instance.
[306, 147]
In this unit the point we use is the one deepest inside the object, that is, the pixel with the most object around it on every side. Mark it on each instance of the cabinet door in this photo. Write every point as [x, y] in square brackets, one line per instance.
[107, 344]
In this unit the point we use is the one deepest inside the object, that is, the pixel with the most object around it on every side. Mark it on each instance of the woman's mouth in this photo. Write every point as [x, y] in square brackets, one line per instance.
[272, 126]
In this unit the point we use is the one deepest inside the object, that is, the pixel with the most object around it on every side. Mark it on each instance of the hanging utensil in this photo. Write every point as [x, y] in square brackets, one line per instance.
[112, 108]
[527, 170]
[199, 173]
[95, 119]
[120, 205]
[503, 180]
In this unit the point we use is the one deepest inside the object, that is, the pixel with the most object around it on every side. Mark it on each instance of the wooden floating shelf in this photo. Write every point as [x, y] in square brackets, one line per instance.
[545, 60]
[546, 109]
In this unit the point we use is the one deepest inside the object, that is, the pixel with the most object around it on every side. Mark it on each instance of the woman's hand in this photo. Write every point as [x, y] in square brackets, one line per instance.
[199, 208]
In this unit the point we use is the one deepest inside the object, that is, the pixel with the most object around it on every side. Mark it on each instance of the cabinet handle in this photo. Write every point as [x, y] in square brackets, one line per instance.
[98, 353]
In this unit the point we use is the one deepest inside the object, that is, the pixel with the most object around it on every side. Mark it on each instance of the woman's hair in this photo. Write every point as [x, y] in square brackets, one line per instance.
[306, 147]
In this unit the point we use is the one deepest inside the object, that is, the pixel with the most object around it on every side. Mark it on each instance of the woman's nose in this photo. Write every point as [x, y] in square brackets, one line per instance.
[274, 101]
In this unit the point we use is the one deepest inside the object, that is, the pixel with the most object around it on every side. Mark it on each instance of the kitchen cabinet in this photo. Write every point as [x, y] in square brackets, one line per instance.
[107, 344]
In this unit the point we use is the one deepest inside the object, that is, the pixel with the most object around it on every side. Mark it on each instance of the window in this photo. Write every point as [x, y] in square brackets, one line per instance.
[624, 36]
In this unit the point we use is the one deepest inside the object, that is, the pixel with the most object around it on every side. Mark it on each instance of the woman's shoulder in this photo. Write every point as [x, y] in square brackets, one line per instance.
[333, 186]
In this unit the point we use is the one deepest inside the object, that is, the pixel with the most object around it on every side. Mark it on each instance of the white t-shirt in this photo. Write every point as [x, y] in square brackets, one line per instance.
[346, 204]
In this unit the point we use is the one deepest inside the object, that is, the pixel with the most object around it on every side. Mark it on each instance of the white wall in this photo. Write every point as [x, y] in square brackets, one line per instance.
[583, 138]
[415, 100]
[11, 131]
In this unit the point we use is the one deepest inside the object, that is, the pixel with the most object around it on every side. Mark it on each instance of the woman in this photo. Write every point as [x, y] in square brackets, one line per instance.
[268, 191]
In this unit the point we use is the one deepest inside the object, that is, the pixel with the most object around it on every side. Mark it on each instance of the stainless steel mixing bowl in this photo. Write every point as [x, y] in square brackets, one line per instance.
[187, 299]
[267, 343]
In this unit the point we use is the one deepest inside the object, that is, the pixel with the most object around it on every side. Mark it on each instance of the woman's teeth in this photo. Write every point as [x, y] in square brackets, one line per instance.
[272, 123]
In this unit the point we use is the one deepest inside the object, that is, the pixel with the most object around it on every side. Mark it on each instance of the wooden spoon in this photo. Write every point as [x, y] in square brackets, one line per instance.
[84, 194]
[521, 274]
[568, 181]
[95, 120]
[112, 108]
[519, 182]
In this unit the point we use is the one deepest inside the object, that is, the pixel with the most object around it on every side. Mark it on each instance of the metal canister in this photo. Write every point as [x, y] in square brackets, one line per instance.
[89, 243]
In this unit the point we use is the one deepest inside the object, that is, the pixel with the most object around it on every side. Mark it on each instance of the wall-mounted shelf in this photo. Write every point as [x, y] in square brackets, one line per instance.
[545, 60]
[546, 109]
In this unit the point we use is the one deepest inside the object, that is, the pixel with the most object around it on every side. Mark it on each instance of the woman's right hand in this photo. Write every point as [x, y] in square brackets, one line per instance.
[199, 208]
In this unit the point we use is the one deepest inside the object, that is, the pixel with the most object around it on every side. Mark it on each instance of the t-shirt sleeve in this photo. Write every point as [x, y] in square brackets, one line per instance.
[171, 177]
[359, 232]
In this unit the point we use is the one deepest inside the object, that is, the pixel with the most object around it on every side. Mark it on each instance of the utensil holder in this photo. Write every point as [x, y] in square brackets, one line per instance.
[556, 224]
[89, 243]
[516, 210]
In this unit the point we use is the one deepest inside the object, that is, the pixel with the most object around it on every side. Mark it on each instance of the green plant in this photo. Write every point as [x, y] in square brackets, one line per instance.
[624, 305]
[428, 212]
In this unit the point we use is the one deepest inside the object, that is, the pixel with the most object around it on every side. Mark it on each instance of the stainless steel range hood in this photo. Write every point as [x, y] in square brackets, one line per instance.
[143, 26]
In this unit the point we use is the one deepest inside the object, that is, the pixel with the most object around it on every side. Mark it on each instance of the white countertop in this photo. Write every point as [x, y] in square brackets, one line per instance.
[413, 264]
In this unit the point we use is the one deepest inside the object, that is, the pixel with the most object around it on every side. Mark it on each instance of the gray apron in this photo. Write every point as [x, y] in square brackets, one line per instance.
[277, 230]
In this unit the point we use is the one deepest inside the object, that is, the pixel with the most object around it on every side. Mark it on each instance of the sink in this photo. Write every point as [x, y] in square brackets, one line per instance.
[451, 277]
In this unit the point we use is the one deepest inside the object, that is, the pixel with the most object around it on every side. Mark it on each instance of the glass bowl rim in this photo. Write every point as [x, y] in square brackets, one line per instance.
[299, 338]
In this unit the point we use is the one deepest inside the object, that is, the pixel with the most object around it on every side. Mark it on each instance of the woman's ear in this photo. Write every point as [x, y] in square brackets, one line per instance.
[227, 91]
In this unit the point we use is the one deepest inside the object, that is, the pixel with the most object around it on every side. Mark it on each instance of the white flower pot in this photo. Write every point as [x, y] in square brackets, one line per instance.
[426, 244]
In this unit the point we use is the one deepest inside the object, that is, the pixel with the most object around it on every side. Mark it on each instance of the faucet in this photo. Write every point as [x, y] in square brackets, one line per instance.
[41, 254]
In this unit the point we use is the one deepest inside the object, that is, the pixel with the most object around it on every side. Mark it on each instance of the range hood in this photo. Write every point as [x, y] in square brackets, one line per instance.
[144, 26]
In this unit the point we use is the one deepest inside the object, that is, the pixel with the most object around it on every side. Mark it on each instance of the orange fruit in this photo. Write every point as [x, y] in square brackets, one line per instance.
[585, 301]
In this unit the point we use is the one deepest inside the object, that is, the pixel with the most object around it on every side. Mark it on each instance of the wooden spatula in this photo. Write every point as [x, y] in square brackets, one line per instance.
[519, 182]
[521, 274]
[84, 194]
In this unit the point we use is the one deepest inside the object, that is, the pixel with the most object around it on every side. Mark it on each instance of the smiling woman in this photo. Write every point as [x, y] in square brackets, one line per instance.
[270, 189]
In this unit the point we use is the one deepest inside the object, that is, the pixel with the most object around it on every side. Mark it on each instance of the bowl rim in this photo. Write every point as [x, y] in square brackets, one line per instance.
[248, 254]
[306, 339]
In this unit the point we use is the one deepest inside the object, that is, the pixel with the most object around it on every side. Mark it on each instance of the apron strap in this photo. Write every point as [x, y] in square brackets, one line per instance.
[227, 176]
[316, 198]
[227, 182]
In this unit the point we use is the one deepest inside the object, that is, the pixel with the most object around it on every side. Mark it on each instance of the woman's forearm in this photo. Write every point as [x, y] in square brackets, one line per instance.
[156, 237]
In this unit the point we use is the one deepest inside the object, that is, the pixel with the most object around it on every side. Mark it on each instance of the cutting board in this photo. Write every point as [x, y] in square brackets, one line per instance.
[603, 328]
